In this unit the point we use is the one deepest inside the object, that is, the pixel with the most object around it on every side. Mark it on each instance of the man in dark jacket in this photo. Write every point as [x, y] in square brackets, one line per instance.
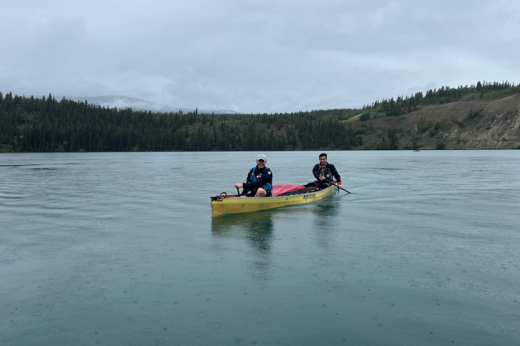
[324, 172]
[259, 181]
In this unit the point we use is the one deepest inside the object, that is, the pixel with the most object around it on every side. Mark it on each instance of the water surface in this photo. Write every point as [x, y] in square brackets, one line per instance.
[120, 249]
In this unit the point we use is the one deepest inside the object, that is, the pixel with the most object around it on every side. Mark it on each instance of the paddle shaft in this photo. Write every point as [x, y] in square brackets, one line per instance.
[338, 186]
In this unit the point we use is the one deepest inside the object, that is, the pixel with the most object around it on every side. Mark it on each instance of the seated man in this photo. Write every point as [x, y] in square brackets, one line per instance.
[259, 180]
[324, 173]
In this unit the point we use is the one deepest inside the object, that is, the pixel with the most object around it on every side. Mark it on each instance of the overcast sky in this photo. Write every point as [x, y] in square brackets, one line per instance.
[255, 55]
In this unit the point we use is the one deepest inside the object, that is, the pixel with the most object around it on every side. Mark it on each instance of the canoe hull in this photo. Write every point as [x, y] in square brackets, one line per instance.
[237, 205]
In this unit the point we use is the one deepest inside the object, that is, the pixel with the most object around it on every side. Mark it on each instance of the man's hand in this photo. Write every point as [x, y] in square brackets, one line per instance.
[339, 185]
[239, 186]
[321, 178]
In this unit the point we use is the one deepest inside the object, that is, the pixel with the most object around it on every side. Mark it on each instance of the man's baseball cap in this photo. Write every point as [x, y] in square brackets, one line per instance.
[261, 157]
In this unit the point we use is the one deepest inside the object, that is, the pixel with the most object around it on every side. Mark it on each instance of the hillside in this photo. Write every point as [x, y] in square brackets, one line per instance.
[485, 116]
[477, 124]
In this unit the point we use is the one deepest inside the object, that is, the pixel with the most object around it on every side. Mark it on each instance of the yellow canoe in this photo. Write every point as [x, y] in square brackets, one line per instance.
[221, 205]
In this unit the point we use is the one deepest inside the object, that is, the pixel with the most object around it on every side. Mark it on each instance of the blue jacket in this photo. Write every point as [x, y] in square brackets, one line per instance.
[259, 178]
[327, 172]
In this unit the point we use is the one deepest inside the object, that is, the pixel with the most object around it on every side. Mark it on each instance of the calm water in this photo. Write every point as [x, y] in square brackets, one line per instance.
[120, 249]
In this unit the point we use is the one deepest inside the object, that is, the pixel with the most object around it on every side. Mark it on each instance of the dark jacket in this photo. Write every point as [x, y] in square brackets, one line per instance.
[328, 172]
[259, 178]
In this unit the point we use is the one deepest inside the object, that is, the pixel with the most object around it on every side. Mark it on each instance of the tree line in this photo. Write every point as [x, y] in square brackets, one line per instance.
[445, 94]
[29, 124]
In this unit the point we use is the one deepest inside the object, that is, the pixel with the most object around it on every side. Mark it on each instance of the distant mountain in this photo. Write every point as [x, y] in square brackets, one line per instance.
[120, 102]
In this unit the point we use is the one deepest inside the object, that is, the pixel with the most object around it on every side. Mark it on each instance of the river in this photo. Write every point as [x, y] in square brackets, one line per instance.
[121, 249]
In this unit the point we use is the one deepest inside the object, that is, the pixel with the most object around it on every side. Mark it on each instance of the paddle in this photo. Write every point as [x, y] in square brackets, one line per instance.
[333, 183]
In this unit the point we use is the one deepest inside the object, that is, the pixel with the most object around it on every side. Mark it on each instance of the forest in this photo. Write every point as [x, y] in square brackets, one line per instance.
[29, 124]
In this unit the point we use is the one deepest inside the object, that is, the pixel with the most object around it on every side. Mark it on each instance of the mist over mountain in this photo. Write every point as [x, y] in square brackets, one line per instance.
[121, 102]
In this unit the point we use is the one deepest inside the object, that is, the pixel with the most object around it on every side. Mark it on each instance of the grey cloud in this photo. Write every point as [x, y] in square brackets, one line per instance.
[255, 56]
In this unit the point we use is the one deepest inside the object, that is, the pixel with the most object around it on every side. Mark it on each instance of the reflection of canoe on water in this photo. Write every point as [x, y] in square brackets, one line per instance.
[232, 204]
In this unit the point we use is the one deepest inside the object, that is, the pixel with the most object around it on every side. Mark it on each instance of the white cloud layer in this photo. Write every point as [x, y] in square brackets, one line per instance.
[255, 56]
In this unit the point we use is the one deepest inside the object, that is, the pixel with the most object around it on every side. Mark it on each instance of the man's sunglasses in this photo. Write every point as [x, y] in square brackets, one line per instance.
[261, 160]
